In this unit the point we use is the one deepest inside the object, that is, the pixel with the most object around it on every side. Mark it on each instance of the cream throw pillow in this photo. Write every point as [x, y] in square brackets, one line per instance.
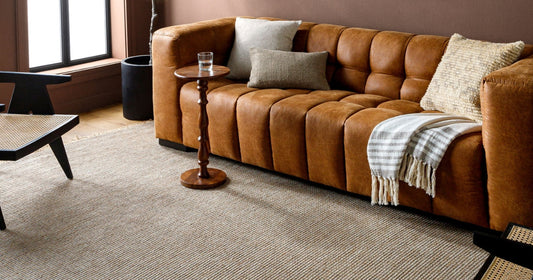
[455, 86]
[265, 34]
[281, 69]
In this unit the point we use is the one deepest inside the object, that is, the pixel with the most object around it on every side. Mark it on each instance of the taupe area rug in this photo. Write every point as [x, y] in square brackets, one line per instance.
[126, 216]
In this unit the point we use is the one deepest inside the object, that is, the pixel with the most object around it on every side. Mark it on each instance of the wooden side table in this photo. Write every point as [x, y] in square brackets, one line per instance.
[203, 177]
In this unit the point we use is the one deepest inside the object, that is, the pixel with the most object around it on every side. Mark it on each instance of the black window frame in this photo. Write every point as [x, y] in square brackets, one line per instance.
[65, 41]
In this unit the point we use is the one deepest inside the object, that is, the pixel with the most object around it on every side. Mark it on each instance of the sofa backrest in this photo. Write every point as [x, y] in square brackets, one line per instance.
[393, 64]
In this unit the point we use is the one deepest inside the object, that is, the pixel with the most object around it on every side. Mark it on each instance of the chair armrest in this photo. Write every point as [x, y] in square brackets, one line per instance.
[35, 78]
[507, 109]
[30, 93]
[177, 46]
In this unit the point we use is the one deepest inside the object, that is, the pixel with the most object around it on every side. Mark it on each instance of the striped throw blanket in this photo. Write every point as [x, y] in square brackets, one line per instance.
[409, 148]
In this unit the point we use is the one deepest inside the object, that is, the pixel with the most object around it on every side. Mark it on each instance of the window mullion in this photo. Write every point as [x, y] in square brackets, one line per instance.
[108, 26]
[65, 32]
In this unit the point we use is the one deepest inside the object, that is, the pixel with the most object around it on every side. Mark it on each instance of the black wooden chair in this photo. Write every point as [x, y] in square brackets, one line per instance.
[30, 122]
[513, 251]
[509, 251]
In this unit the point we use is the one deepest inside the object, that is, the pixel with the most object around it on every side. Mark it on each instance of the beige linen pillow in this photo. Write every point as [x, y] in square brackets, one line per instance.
[281, 69]
[265, 34]
[455, 86]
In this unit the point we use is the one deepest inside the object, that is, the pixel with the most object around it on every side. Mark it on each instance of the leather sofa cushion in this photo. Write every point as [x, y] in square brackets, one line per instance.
[322, 136]
[395, 65]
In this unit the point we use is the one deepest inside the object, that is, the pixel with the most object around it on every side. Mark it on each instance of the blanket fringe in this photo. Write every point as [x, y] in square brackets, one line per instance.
[419, 174]
[413, 171]
[382, 188]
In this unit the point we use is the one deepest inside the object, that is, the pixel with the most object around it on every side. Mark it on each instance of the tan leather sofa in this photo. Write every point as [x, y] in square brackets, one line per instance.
[484, 179]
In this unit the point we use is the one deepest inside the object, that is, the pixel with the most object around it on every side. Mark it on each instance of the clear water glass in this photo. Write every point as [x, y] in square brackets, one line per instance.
[205, 61]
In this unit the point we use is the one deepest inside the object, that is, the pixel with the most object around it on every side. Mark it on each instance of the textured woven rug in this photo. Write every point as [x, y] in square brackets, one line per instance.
[126, 216]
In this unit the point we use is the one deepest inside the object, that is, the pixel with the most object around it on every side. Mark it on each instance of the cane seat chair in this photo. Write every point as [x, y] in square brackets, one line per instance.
[30, 122]
[511, 253]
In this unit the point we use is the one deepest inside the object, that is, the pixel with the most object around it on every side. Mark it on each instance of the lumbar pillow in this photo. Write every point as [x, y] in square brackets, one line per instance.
[265, 34]
[281, 69]
[455, 86]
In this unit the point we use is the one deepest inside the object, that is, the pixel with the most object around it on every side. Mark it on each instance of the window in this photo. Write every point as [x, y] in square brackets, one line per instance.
[67, 32]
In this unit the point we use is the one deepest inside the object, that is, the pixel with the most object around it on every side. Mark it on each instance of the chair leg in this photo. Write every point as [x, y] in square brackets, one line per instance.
[61, 155]
[2, 222]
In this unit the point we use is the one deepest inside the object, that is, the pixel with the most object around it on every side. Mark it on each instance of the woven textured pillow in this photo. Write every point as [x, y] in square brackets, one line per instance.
[265, 34]
[455, 86]
[281, 69]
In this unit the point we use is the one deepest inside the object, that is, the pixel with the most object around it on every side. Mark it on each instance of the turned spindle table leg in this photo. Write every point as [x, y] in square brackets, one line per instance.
[203, 177]
[203, 123]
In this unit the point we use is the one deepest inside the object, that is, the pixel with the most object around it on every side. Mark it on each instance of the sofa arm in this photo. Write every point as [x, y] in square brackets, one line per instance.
[174, 47]
[507, 109]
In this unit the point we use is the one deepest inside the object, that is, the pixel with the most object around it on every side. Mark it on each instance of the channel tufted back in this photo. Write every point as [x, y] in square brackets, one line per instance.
[392, 64]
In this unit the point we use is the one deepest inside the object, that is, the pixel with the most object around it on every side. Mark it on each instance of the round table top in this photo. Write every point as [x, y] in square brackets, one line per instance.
[193, 72]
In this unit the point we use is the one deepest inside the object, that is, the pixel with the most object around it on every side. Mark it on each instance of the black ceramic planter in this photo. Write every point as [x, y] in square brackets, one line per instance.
[137, 88]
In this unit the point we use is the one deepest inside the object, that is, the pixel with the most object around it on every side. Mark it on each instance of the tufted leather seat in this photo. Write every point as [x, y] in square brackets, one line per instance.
[321, 136]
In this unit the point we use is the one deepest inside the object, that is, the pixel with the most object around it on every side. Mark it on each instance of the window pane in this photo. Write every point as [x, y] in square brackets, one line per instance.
[44, 32]
[88, 32]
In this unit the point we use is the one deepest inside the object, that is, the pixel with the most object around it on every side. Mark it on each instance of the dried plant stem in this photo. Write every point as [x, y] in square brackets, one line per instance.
[154, 15]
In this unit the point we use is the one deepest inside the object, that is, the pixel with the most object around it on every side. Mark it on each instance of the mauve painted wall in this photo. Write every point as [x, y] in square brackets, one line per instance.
[492, 20]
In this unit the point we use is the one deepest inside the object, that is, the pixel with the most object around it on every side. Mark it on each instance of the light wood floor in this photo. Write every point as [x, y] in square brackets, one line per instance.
[97, 122]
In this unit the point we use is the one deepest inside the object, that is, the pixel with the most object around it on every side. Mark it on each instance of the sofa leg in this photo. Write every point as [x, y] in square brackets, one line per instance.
[2, 222]
[175, 145]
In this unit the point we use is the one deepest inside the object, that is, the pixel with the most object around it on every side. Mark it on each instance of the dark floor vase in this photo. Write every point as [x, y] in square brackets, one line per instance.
[137, 88]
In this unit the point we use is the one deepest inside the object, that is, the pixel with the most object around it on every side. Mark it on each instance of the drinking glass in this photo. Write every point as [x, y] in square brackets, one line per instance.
[205, 61]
